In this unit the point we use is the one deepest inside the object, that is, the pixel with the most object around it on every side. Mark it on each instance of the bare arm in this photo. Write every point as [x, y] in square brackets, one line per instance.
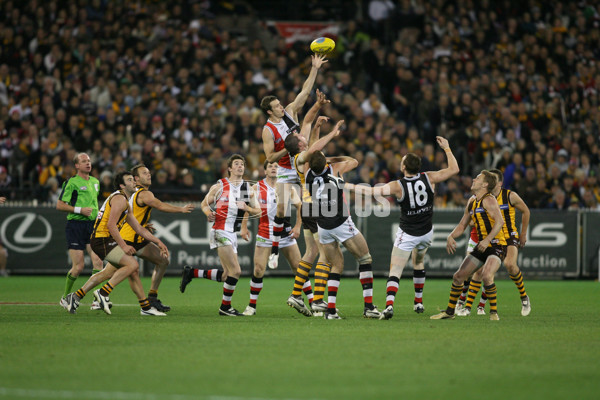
[321, 143]
[390, 188]
[269, 147]
[252, 208]
[341, 168]
[297, 202]
[62, 206]
[294, 107]
[520, 205]
[451, 170]
[208, 200]
[147, 198]
[458, 230]
[118, 204]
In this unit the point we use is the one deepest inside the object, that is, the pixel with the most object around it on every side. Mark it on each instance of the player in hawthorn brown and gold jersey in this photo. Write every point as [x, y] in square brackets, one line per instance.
[301, 152]
[484, 212]
[508, 201]
[109, 245]
[141, 203]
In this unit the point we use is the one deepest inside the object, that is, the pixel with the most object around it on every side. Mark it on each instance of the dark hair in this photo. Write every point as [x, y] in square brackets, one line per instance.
[317, 162]
[266, 164]
[412, 163]
[292, 145]
[490, 179]
[120, 179]
[135, 170]
[498, 174]
[265, 103]
[231, 159]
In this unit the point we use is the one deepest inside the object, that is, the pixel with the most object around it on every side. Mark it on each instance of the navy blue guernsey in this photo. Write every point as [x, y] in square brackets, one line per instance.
[417, 205]
[328, 202]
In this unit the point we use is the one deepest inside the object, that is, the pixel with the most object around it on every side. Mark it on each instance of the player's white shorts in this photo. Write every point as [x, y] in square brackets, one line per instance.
[285, 242]
[471, 245]
[345, 231]
[407, 242]
[285, 175]
[220, 238]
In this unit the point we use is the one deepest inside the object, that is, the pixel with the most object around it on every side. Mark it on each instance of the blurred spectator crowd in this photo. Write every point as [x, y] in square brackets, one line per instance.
[176, 85]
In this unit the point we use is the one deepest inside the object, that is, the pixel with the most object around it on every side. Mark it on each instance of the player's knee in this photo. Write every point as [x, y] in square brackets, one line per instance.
[512, 268]
[366, 259]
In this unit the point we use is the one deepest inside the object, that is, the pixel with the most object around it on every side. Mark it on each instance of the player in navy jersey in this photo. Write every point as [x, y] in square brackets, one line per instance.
[335, 224]
[415, 192]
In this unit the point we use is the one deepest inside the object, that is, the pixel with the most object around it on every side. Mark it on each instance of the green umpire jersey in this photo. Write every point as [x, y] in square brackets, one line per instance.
[78, 192]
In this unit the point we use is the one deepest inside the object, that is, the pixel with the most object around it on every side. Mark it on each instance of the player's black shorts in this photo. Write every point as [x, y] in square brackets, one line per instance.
[138, 246]
[102, 246]
[310, 223]
[78, 233]
[512, 241]
[497, 250]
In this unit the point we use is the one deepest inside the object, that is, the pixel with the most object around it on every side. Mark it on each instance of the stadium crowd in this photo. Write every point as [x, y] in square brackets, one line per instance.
[513, 85]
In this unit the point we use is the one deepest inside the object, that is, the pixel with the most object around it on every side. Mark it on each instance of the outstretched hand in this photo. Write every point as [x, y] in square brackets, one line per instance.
[318, 60]
[322, 98]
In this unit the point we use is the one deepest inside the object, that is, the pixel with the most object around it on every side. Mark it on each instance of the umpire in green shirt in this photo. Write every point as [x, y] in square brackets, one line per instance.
[79, 197]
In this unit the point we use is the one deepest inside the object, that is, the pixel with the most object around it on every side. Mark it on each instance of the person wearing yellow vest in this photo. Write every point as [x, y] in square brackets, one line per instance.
[141, 203]
[484, 212]
[508, 202]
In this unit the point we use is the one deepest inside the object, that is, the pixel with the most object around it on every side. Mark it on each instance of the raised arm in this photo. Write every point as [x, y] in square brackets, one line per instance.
[315, 133]
[321, 143]
[269, 147]
[147, 198]
[294, 107]
[520, 205]
[452, 169]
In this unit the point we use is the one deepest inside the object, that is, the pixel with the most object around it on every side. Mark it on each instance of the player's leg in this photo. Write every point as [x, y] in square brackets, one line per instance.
[489, 269]
[322, 270]
[73, 299]
[152, 253]
[357, 246]
[302, 272]
[146, 308]
[283, 196]
[232, 272]
[217, 239]
[398, 261]
[418, 261]
[335, 258]
[510, 262]
[261, 256]
[473, 288]
[467, 267]
[463, 296]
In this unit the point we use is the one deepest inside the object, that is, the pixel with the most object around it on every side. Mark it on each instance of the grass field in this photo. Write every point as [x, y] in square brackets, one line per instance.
[195, 354]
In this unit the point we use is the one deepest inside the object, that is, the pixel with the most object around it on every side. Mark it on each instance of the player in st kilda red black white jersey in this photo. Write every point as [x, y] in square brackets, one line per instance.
[266, 199]
[225, 205]
[415, 233]
[281, 123]
[326, 189]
